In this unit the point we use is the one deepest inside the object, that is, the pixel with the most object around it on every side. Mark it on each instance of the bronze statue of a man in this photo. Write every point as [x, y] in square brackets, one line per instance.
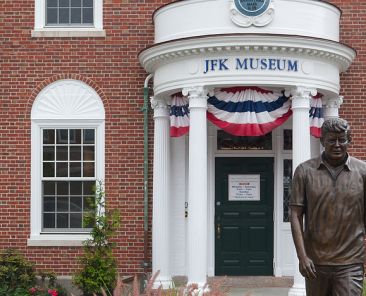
[329, 192]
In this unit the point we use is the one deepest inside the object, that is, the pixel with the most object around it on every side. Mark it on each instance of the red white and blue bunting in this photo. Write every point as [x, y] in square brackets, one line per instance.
[179, 116]
[316, 115]
[248, 111]
[244, 111]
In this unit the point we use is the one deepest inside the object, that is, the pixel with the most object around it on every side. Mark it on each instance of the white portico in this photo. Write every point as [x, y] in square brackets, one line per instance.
[203, 45]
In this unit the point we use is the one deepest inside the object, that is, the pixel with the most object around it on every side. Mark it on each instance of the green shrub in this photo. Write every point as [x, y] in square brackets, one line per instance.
[99, 266]
[15, 271]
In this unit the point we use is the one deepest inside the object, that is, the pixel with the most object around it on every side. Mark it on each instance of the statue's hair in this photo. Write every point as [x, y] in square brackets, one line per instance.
[335, 125]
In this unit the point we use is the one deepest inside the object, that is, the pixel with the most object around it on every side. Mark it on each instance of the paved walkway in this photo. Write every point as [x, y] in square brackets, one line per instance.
[258, 291]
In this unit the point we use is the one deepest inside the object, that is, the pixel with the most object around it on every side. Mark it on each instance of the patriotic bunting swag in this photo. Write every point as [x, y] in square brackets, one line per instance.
[316, 115]
[244, 111]
[179, 116]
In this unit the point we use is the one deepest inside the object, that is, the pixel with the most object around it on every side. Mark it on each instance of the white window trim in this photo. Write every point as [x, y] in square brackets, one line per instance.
[41, 30]
[79, 119]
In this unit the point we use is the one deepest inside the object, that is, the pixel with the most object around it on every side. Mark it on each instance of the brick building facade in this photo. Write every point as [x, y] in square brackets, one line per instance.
[104, 63]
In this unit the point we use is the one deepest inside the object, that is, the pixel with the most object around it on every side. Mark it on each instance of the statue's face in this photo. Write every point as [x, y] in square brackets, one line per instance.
[335, 147]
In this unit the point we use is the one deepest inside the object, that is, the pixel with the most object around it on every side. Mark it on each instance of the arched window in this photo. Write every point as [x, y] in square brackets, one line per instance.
[67, 139]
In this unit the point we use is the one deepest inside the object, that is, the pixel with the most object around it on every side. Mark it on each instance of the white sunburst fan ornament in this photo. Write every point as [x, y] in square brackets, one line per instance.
[68, 99]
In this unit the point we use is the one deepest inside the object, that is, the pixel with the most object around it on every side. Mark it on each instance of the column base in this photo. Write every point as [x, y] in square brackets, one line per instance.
[164, 283]
[297, 292]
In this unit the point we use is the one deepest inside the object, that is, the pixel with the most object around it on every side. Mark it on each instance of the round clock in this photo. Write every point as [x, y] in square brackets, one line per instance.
[252, 7]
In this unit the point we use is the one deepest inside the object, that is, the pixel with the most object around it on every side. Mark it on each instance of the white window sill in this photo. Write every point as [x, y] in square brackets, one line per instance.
[57, 240]
[68, 32]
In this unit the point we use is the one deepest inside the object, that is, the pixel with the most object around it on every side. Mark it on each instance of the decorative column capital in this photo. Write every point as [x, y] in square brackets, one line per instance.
[197, 96]
[331, 107]
[160, 107]
[301, 91]
[335, 102]
[300, 96]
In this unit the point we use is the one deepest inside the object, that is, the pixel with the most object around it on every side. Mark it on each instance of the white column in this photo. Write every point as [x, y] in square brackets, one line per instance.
[300, 153]
[160, 219]
[197, 187]
[331, 107]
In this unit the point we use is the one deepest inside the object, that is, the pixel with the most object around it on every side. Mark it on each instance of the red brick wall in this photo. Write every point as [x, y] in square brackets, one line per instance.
[111, 66]
[353, 82]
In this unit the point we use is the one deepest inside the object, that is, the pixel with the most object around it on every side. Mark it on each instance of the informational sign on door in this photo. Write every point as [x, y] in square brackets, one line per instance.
[244, 187]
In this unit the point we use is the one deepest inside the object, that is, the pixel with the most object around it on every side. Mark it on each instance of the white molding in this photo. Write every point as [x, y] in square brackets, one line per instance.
[41, 30]
[53, 108]
[58, 240]
[67, 32]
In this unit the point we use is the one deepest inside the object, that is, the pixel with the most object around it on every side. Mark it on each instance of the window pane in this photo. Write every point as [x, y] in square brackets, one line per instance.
[64, 3]
[62, 204]
[87, 15]
[88, 169]
[48, 169]
[51, 3]
[88, 203]
[62, 188]
[75, 135]
[64, 19]
[88, 225]
[76, 204]
[76, 188]
[48, 153]
[75, 3]
[63, 220]
[49, 220]
[52, 14]
[75, 153]
[49, 136]
[62, 136]
[89, 188]
[76, 220]
[87, 3]
[49, 204]
[61, 169]
[88, 153]
[49, 188]
[287, 139]
[75, 169]
[75, 15]
[89, 136]
[61, 152]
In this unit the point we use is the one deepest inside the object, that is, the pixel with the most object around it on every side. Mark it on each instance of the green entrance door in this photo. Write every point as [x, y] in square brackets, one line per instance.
[244, 196]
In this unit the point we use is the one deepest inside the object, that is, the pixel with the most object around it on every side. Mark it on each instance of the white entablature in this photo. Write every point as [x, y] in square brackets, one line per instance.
[183, 63]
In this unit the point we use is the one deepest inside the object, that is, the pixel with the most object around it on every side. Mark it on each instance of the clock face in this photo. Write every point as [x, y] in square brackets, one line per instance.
[252, 7]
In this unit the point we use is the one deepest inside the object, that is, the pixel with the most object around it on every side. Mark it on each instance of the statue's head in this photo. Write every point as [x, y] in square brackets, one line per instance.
[336, 136]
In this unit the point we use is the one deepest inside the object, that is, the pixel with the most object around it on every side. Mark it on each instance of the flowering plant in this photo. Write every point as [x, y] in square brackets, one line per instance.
[39, 291]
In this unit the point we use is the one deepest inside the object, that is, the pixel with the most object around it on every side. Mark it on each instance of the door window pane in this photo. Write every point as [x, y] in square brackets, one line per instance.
[287, 178]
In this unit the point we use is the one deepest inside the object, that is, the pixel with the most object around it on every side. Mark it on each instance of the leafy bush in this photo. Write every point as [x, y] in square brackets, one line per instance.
[15, 271]
[99, 267]
[18, 277]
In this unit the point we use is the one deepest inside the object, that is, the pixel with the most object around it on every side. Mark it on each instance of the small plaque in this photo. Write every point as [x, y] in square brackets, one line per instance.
[252, 7]
[244, 187]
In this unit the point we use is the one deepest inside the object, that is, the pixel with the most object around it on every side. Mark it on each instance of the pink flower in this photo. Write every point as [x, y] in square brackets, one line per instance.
[33, 290]
[52, 292]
